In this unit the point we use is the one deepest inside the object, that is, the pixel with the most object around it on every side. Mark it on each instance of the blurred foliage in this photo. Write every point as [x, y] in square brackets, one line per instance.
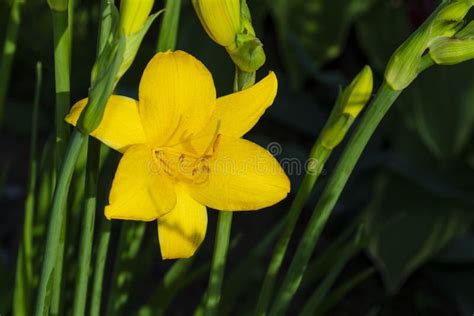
[414, 183]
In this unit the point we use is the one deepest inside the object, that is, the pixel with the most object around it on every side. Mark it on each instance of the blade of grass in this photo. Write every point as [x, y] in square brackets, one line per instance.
[24, 270]
[321, 291]
[92, 174]
[62, 70]
[339, 293]
[131, 237]
[99, 267]
[8, 52]
[57, 215]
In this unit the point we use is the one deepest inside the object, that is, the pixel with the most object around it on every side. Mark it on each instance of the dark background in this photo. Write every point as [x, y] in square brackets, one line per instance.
[412, 192]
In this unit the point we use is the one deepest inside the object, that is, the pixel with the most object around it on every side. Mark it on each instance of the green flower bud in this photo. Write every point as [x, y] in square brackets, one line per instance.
[357, 94]
[133, 14]
[451, 51]
[348, 106]
[58, 5]
[335, 133]
[406, 62]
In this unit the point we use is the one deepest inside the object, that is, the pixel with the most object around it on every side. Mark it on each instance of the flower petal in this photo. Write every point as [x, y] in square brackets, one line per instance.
[182, 230]
[120, 126]
[239, 112]
[177, 97]
[242, 176]
[139, 193]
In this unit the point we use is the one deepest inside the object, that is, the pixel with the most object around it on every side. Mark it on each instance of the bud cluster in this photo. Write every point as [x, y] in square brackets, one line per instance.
[434, 37]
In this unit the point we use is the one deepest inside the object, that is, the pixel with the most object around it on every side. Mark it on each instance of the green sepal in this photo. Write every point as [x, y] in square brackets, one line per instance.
[247, 52]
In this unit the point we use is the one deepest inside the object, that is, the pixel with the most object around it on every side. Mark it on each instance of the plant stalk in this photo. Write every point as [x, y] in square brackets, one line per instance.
[57, 216]
[319, 154]
[375, 113]
[24, 269]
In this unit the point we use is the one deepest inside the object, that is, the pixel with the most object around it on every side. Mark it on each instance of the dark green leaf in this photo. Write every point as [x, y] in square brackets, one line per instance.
[407, 226]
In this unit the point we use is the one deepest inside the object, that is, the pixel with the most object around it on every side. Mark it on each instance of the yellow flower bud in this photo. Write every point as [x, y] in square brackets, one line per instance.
[220, 19]
[349, 104]
[358, 93]
[58, 5]
[133, 14]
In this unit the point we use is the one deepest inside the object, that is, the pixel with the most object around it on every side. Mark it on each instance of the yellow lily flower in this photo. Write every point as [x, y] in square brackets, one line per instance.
[183, 151]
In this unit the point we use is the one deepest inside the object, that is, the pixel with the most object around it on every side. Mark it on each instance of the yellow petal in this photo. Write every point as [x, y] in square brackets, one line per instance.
[182, 230]
[120, 126]
[242, 176]
[238, 112]
[177, 97]
[138, 191]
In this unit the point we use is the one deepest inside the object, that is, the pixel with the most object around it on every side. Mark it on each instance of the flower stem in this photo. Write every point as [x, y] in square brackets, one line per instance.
[87, 232]
[224, 223]
[9, 49]
[376, 111]
[90, 203]
[167, 39]
[319, 154]
[24, 268]
[62, 65]
[99, 268]
[57, 216]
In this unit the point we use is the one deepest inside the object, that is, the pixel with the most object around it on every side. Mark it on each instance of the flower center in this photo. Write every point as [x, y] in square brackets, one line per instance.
[184, 166]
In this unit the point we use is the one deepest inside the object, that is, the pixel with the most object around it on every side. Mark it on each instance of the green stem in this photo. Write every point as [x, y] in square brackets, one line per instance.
[224, 223]
[377, 110]
[131, 238]
[319, 155]
[90, 203]
[9, 49]
[62, 65]
[24, 270]
[87, 233]
[169, 26]
[99, 268]
[56, 218]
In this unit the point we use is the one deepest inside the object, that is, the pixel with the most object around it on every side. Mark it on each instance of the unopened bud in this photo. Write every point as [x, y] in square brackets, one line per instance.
[220, 19]
[358, 93]
[406, 62]
[133, 14]
[451, 51]
[349, 104]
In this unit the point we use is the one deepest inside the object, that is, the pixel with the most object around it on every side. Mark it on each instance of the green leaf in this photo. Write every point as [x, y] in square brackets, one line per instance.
[440, 104]
[381, 30]
[407, 226]
[314, 32]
